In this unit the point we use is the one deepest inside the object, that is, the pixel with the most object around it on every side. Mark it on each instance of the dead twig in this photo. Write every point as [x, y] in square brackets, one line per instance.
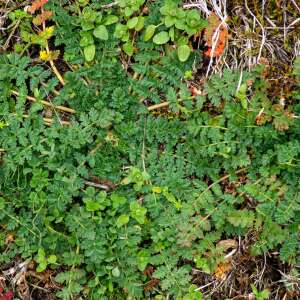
[49, 121]
[159, 105]
[10, 36]
[295, 4]
[55, 92]
[167, 103]
[204, 286]
[109, 5]
[97, 185]
[46, 103]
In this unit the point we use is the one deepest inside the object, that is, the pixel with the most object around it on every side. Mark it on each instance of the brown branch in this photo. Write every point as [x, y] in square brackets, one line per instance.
[55, 92]
[167, 103]
[49, 121]
[55, 71]
[97, 185]
[157, 106]
[46, 103]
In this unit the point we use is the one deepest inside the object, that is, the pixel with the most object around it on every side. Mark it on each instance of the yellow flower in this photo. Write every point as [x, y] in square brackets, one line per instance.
[156, 189]
[44, 55]
[47, 33]
[47, 56]
[49, 30]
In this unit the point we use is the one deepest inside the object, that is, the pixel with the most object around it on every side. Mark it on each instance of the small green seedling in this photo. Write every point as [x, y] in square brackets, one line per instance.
[44, 261]
[260, 295]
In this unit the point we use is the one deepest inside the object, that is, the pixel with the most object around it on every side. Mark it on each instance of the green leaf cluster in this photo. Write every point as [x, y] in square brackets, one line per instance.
[179, 179]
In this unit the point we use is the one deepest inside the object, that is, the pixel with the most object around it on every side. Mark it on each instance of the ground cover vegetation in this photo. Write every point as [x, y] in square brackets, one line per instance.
[149, 150]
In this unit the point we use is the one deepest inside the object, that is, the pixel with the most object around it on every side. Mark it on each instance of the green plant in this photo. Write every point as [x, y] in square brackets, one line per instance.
[44, 261]
[187, 20]
[177, 22]
[130, 6]
[93, 24]
[132, 198]
[260, 295]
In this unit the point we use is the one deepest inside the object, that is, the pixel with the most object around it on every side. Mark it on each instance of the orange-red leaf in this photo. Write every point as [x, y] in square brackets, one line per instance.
[37, 4]
[222, 270]
[42, 17]
[215, 25]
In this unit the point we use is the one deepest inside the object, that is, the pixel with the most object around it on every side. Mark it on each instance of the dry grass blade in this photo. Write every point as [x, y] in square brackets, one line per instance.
[263, 33]
[263, 40]
[17, 271]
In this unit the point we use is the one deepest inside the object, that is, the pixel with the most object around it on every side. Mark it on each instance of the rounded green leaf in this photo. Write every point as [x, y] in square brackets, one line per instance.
[161, 38]
[170, 21]
[172, 34]
[183, 40]
[99, 19]
[52, 259]
[131, 23]
[89, 52]
[128, 48]
[120, 30]
[87, 25]
[183, 52]
[122, 220]
[41, 255]
[86, 39]
[180, 24]
[41, 267]
[128, 11]
[140, 24]
[101, 33]
[115, 272]
[149, 32]
[91, 205]
[2, 203]
[111, 19]
[241, 94]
